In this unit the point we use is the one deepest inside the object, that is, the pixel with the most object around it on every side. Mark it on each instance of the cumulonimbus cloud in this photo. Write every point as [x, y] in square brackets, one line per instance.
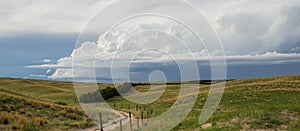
[119, 47]
[252, 32]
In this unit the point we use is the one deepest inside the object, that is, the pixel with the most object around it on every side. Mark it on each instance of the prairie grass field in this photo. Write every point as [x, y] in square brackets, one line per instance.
[251, 104]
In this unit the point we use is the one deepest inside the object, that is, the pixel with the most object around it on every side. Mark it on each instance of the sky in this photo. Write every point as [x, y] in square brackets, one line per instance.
[38, 39]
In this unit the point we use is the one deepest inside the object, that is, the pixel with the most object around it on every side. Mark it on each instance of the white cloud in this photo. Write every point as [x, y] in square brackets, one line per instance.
[37, 75]
[267, 58]
[87, 67]
[47, 61]
[245, 26]
[251, 27]
[138, 51]
[46, 16]
[48, 71]
[252, 32]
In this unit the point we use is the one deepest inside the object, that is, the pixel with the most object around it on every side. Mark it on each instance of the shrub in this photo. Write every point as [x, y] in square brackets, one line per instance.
[106, 93]
[61, 103]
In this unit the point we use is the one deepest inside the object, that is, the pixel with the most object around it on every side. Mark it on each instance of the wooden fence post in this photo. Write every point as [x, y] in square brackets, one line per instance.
[120, 125]
[142, 115]
[130, 121]
[101, 124]
[137, 123]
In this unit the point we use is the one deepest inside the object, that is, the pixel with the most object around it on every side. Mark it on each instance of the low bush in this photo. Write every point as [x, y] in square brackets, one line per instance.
[102, 95]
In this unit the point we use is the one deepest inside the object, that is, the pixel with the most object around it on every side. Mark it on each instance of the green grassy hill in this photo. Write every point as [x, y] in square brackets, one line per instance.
[270, 103]
[39, 105]
[253, 104]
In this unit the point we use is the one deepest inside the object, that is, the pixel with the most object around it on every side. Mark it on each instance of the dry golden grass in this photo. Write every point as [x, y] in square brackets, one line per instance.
[38, 121]
[21, 119]
[4, 118]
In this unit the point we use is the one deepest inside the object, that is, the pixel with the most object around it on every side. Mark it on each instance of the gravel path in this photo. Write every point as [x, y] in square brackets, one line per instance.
[111, 125]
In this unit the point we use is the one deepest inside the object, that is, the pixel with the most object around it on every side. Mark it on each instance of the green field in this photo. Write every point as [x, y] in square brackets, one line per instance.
[252, 104]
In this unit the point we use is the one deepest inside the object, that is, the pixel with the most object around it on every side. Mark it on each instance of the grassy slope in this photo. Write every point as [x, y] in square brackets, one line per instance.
[39, 105]
[271, 103]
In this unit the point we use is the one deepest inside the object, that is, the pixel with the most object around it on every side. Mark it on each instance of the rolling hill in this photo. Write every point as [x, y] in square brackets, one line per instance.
[251, 104]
